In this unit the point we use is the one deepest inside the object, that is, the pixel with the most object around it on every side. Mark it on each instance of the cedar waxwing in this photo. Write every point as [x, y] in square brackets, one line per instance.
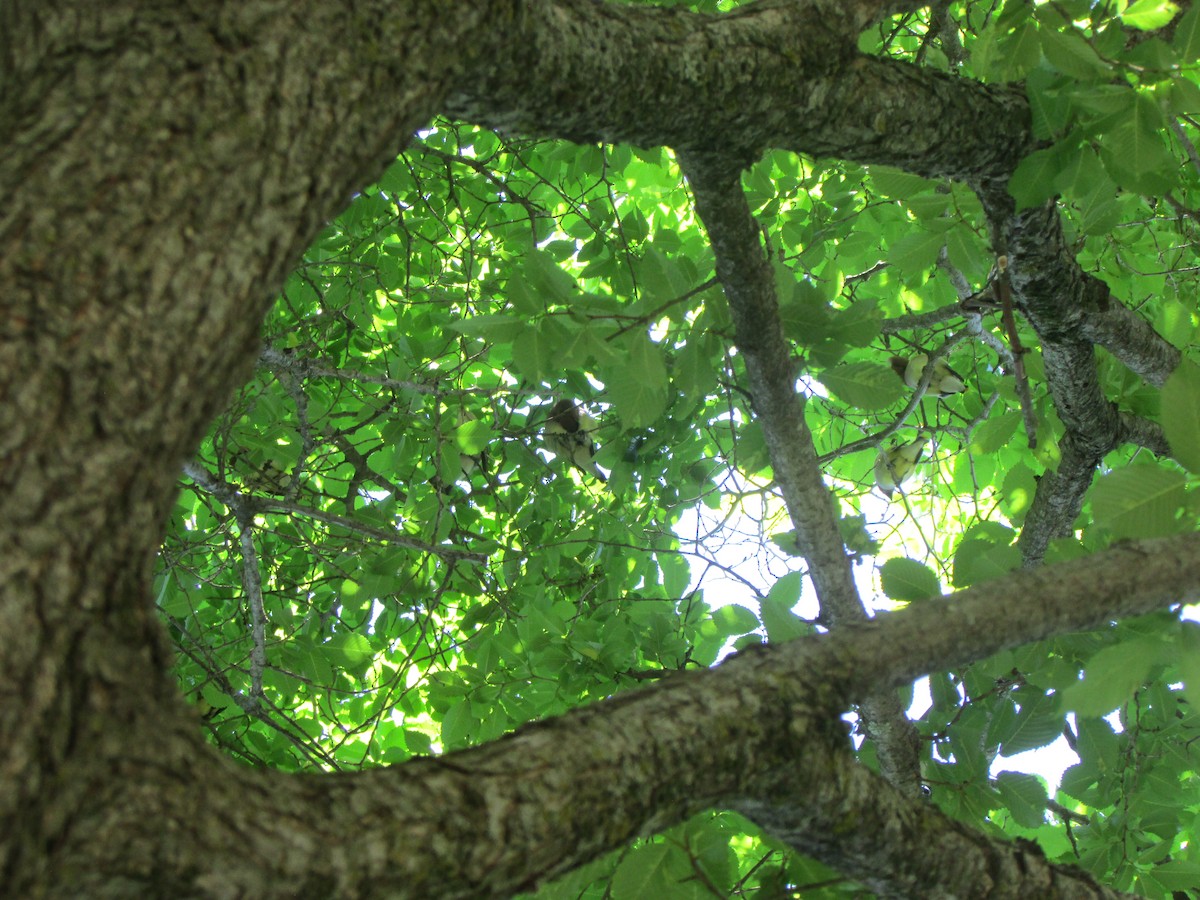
[945, 380]
[893, 466]
[569, 433]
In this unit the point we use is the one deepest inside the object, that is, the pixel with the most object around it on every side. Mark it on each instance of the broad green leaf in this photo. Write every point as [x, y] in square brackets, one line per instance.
[864, 385]
[804, 311]
[173, 600]
[1187, 658]
[916, 253]
[1083, 173]
[1146, 15]
[967, 252]
[458, 724]
[752, 455]
[977, 561]
[498, 327]
[1049, 103]
[1181, 415]
[1185, 96]
[1033, 181]
[639, 388]
[473, 437]
[1099, 210]
[535, 351]
[897, 184]
[305, 658]
[1187, 35]
[857, 326]
[967, 743]
[930, 207]
[654, 869]
[1068, 52]
[708, 843]
[677, 574]
[1017, 53]
[694, 375]
[1025, 796]
[354, 650]
[908, 580]
[1038, 723]
[1016, 494]
[996, 432]
[1174, 876]
[780, 622]
[1133, 151]
[1141, 501]
[1111, 677]
[734, 619]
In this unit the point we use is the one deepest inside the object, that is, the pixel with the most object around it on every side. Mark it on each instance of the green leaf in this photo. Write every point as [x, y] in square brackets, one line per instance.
[967, 253]
[1134, 153]
[967, 743]
[1016, 494]
[1025, 796]
[996, 432]
[1111, 677]
[1017, 53]
[864, 385]
[1181, 414]
[473, 437]
[977, 561]
[1033, 181]
[498, 327]
[1187, 35]
[803, 309]
[857, 326]
[916, 253]
[547, 279]
[1185, 96]
[654, 869]
[909, 580]
[1174, 875]
[734, 619]
[1141, 501]
[1146, 15]
[1048, 102]
[535, 351]
[354, 651]
[306, 659]
[639, 388]
[458, 725]
[1037, 724]
[1068, 52]
[1187, 658]
[776, 609]
[899, 185]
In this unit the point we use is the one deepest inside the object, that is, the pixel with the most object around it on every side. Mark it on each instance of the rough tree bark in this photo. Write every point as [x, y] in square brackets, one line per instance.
[164, 166]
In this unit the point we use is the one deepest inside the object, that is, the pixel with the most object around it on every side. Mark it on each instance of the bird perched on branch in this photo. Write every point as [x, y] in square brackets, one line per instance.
[892, 467]
[945, 380]
[569, 434]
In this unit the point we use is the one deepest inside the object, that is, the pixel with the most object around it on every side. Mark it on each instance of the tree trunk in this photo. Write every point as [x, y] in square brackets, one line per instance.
[163, 170]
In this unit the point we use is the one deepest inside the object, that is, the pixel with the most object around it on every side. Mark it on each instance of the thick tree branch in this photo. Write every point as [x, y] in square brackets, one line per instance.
[749, 285]
[759, 733]
[1070, 311]
[650, 76]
